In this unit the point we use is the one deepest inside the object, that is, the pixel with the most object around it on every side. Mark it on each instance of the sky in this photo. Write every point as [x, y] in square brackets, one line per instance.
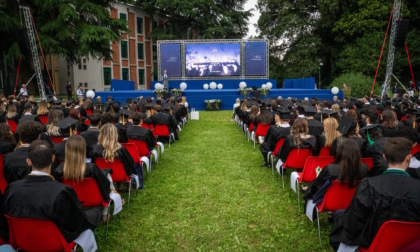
[254, 19]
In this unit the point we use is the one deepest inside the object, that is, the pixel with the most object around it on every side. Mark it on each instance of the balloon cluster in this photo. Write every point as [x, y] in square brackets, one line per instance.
[159, 86]
[183, 86]
[90, 94]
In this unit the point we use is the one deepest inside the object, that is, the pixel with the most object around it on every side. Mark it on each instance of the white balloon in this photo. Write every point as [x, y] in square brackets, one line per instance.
[334, 90]
[90, 94]
[264, 86]
[213, 85]
[269, 85]
[242, 84]
[220, 86]
[183, 86]
[157, 86]
[161, 86]
[206, 86]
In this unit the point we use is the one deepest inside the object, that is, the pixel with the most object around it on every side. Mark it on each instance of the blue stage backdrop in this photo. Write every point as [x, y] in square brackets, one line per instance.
[255, 58]
[170, 59]
[121, 85]
[212, 59]
[302, 83]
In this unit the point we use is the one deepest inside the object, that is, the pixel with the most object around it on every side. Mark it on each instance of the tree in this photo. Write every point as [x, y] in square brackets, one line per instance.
[203, 19]
[72, 28]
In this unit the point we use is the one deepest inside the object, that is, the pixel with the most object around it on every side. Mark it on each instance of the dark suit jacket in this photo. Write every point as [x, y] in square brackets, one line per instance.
[142, 134]
[15, 166]
[91, 136]
[41, 197]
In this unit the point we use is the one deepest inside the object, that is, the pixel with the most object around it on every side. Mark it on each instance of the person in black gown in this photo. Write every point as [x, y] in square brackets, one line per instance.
[92, 133]
[393, 195]
[39, 196]
[139, 133]
[7, 141]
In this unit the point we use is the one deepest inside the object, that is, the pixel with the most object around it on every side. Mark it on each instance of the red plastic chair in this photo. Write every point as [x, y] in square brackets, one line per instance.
[279, 144]
[162, 130]
[309, 171]
[89, 195]
[43, 119]
[338, 196]
[13, 125]
[36, 235]
[415, 149]
[118, 173]
[142, 149]
[87, 122]
[250, 129]
[325, 152]
[295, 160]
[394, 236]
[147, 126]
[56, 140]
[132, 149]
[260, 131]
[88, 111]
[3, 182]
[368, 162]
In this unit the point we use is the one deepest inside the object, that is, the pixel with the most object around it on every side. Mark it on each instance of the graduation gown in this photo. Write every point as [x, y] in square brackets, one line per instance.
[390, 196]
[122, 131]
[15, 166]
[388, 132]
[91, 137]
[122, 154]
[289, 145]
[376, 151]
[143, 134]
[360, 142]
[6, 147]
[41, 197]
[91, 171]
[273, 135]
[316, 128]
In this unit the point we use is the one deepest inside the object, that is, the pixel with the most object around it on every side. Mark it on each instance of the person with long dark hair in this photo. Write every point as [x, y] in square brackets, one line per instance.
[347, 167]
[7, 141]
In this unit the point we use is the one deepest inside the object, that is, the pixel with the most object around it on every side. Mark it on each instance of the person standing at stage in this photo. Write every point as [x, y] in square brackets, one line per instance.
[69, 90]
[165, 80]
[80, 91]
[411, 89]
[23, 91]
[395, 89]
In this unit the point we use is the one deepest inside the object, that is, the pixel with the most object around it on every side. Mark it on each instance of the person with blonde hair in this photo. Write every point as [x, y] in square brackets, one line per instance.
[42, 108]
[52, 128]
[330, 135]
[12, 113]
[76, 168]
[109, 148]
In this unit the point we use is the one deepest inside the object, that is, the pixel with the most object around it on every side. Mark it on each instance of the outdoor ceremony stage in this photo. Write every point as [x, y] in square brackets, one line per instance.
[196, 95]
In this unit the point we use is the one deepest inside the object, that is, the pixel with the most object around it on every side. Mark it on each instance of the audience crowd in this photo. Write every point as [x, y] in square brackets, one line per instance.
[384, 131]
[45, 143]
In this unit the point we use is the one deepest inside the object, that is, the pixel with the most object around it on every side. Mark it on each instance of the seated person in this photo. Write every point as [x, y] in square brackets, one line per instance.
[52, 128]
[330, 134]
[15, 166]
[375, 147]
[122, 125]
[109, 148]
[389, 123]
[39, 196]
[346, 167]
[393, 195]
[139, 133]
[274, 133]
[298, 139]
[7, 141]
[27, 114]
[75, 168]
[80, 126]
[315, 127]
[67, 128]
[92, 133]
[349, 128]
[12, 113]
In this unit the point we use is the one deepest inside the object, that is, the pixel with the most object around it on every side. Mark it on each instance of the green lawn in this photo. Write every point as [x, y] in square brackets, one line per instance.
[209, 193]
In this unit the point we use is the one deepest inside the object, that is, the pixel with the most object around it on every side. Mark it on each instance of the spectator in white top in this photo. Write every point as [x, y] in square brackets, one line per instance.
[80, 91]
[23, 91]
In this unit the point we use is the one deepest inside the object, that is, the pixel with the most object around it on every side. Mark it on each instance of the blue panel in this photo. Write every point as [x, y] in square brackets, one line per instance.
[170, 59]
[196, 98]
[227, 84]
[121, 85]
[302, 83]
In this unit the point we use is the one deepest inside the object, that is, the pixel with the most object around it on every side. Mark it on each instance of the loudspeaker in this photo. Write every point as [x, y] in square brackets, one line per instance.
[401, 34]
[23, 42]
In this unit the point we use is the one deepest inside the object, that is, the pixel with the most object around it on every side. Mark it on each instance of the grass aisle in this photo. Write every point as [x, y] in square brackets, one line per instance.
[209, 192]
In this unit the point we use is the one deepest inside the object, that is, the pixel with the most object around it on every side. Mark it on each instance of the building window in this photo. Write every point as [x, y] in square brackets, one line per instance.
[154, 52]
[139, 25]
[68, 73]
[154, 25]
[125, 73]
[80, 67]
[107, 76]
[140, 51]
[124, 49]
[84, 61]
[123, 16]
[84, 67]
[141, 76]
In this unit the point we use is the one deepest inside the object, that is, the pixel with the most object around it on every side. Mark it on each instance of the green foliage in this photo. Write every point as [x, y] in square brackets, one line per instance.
[208, 19]
[211, 194]
[359, 84]
[72, 28]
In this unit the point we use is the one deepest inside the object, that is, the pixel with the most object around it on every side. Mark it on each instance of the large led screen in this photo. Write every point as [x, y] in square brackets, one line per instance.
[170, 59]
[255, 58]
[212, 59]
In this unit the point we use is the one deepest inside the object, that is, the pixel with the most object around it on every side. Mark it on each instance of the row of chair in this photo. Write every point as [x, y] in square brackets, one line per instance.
[338, 195]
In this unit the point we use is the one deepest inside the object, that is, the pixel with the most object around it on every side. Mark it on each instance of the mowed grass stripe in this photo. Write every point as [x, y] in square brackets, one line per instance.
[209, 193]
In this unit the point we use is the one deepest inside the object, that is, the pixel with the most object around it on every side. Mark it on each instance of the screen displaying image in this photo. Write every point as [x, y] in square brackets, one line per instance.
[213, 60]
[255, 58]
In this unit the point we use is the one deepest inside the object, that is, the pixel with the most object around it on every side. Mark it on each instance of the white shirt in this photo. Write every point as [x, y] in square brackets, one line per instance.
[23, 91]
[79, 92]
[39, 173]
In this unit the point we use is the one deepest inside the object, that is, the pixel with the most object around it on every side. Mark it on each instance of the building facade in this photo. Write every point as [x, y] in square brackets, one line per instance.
[134, 57]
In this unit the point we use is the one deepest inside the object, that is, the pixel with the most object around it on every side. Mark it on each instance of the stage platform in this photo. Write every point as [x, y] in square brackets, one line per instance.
[197, 97]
